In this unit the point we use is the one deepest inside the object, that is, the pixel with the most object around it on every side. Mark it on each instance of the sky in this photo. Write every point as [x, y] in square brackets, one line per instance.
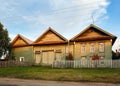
[31, 18]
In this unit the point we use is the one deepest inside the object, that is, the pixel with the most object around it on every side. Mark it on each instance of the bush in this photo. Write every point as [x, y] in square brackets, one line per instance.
[95, 57]
[69, 56]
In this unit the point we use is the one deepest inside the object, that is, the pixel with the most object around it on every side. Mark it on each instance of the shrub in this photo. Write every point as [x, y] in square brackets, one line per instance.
[95, 57]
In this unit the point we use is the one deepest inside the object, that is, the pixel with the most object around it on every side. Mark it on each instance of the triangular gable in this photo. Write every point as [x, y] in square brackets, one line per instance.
[50, 36]
[93, 32]
[20, 40]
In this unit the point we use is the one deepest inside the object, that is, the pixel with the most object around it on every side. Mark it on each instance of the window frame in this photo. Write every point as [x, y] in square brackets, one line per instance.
[83, 48]
[101, 47]
[22, 59]
[92, 47]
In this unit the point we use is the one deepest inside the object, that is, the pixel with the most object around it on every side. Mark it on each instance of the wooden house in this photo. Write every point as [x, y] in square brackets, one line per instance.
[49, 46]
[22, 49]
[90, 42]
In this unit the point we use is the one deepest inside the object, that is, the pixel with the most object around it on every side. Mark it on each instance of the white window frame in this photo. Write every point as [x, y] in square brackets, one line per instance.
[92, 47]
[102, 57]
[22, 59]
[101, 47]
[83, 48]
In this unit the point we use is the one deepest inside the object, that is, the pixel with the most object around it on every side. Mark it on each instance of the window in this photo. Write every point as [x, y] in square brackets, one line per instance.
[92, 47]
[101, 47]
[102, 58]
[22, 59]
[83, 48]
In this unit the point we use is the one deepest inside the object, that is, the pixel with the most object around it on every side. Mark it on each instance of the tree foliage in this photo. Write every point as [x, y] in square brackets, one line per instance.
[95, 57]
[4, 40]
[115, 55]
[69, 56]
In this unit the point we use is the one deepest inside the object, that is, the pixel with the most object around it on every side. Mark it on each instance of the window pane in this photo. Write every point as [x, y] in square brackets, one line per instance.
[101, 47]
[83, 48]
[92, 48]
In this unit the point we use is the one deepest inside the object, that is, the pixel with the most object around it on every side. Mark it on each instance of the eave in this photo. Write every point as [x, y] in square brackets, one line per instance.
[91, 39]
[50, 43]
[20, 46]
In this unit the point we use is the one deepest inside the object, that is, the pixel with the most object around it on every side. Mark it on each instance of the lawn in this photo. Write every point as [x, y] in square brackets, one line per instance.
[47, 73]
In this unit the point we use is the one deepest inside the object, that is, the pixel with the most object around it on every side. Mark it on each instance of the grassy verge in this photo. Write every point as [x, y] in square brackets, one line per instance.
[47, 73]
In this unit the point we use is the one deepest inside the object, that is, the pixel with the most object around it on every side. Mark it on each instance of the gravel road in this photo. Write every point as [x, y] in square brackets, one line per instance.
[24, 82]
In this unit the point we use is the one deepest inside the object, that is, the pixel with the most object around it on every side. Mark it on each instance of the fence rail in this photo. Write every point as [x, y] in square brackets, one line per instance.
[87, 64]
[69, 64]
[14, 63]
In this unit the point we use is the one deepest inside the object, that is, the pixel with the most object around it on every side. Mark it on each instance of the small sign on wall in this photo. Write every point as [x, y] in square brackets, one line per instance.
[58, 51]
[37, 52]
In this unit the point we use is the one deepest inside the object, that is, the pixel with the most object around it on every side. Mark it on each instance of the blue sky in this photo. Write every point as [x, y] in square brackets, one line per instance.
[68, 17]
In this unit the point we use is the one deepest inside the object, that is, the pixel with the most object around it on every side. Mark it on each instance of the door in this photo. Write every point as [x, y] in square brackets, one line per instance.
[38, 58]
[50, 57]
[44, 57]
[58, 56]
[47, 57]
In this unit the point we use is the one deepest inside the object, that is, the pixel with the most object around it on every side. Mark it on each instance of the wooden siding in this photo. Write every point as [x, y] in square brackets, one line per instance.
[50, 52]
[50, 37]
[19, 42]
[52, 46]
[26, 52]
[91, 35]
[76, 49]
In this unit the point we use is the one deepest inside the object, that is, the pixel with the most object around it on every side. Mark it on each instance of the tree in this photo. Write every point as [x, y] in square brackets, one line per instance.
[69, 57]
[95, 57]
[4, 40]
[115, 55]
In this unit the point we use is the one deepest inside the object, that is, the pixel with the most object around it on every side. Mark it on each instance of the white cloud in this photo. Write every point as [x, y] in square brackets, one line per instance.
[116, 45]
[68, 17]
[72, 15]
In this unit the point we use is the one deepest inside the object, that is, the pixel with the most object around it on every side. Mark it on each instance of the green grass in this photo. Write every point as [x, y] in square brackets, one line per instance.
[47, 73]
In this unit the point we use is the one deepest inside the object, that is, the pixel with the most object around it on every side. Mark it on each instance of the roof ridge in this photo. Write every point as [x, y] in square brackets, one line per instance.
[55, 32]
[97, 28]
[28, 41]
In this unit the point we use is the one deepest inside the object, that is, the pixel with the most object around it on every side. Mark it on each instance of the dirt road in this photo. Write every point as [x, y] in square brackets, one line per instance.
[23, 82]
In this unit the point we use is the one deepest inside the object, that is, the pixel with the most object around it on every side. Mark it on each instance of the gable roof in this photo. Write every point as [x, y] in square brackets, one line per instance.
[64, 40]
[26, 40]
[108, 35]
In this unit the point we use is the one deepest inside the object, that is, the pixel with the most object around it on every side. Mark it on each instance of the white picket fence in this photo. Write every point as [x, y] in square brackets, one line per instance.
[87, 64]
